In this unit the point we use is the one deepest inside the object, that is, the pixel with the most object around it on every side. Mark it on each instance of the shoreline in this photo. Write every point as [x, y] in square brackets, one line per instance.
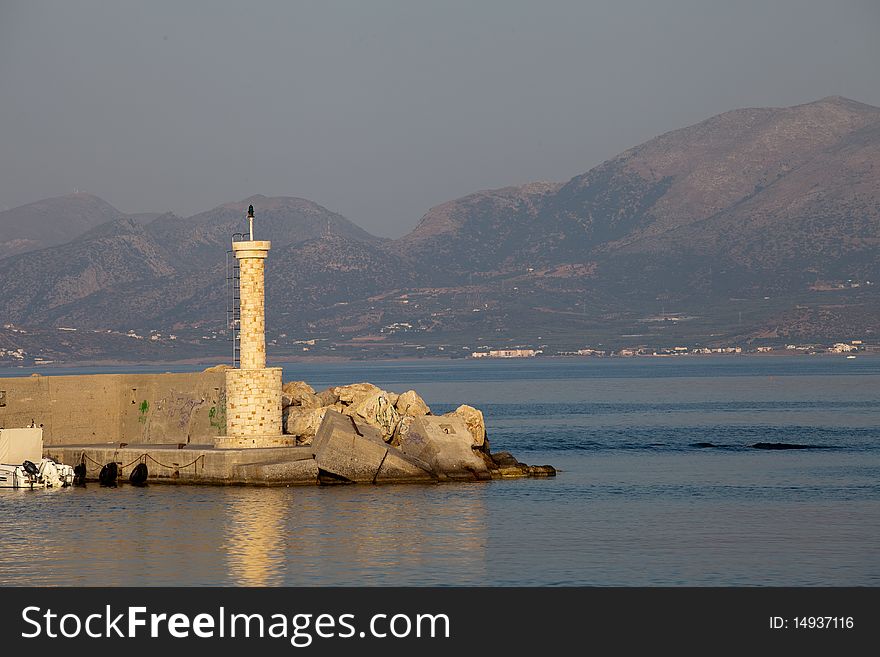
[190, 364]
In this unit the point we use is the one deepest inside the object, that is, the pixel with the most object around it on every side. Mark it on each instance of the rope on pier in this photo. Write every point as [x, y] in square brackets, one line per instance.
[145, 455]
[171, 467]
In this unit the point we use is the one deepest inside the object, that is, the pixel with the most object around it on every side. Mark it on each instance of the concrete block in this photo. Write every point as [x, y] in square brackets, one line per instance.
[341, 450]
[445, 444]
[400, 468]
[280, 473]
[368, 431]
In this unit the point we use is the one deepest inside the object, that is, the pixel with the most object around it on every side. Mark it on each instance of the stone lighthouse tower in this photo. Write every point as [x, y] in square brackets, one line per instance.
[253, 391]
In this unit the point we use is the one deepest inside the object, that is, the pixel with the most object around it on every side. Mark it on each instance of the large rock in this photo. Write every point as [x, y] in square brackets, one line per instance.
[302, 422]
[299, 393]
[358, 453]
[294, 388]
[355, 392]
[504, 459]
[327, 397]
[505, 466]
[473, 419]
[410, 403]
[444, 443]
[378, 411]
[542, 471]
[305, 399]
[401, 429]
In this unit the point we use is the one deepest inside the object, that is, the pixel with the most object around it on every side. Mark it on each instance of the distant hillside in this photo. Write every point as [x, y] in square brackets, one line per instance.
[754, 225]
[51, 221]
[124, 273]
[790, 192]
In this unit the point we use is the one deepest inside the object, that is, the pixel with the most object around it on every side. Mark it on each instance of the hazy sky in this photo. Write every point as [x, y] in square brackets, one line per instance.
[379, 110]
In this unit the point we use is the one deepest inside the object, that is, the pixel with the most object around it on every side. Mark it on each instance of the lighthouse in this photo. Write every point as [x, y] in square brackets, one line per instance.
[253, 391]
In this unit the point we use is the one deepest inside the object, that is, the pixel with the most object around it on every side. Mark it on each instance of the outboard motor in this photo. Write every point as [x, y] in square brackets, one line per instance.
[50, 474]
[138, 476]
[79, 475]
[32, 471]
[109, 474]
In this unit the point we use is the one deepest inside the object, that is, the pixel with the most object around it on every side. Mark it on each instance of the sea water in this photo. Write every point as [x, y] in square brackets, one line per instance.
[659, 484]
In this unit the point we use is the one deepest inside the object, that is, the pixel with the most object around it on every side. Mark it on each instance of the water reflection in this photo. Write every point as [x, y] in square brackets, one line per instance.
[254, 536]
[355, 535]
[379, 535]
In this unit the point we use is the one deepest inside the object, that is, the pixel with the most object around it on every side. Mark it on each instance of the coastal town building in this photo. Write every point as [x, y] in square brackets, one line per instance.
[506, 353]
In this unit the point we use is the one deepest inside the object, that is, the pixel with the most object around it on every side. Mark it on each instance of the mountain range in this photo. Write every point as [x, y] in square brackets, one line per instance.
[753, 225]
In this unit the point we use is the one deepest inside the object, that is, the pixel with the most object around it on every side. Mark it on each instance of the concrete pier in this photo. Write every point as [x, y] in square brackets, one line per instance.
[197, 464]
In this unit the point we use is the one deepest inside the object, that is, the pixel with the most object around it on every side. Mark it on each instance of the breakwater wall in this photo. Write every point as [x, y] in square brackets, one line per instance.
[116, 408]
[197, 464]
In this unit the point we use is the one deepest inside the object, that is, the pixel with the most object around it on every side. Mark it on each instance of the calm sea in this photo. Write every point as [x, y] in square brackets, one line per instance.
[658, 485]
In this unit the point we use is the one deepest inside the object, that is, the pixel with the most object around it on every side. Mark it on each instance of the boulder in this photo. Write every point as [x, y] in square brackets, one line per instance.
[298, 393]
[410, 403]
[327, 397]
[542, 471]
[294, 388]
[305, 399]
[376, 410]
[358, 453]
[444, 443]
[504, 459]
[503, 465]
[511, 472]
[473, 418]
[401, 429]
[302, 422]
[355, 392]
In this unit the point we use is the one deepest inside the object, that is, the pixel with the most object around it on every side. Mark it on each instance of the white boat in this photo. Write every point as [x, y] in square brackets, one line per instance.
[56, 475]
[45, 474]
[14, 476]
[22, 465]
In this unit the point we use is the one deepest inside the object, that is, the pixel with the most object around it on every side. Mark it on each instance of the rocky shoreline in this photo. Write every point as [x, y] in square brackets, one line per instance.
[362, 433]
